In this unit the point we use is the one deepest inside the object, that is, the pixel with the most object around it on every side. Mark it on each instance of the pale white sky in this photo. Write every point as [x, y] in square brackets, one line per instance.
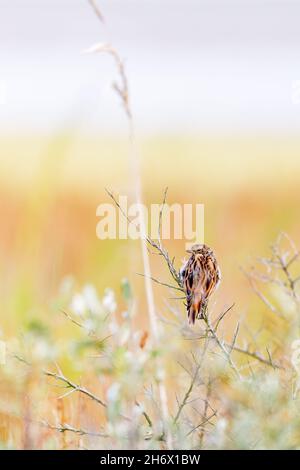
[193, 65]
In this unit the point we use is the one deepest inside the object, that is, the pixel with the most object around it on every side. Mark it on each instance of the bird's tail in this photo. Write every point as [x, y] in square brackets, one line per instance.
[196, 306]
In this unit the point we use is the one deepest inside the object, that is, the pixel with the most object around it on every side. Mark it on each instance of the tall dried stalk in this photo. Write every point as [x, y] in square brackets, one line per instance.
[122, 90]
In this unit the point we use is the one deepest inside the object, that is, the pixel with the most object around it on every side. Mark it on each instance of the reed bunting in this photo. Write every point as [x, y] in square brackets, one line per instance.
[200, 276]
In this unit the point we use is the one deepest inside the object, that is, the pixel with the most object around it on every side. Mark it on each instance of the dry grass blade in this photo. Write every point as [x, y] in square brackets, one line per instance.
[122, 90]
[96, 10]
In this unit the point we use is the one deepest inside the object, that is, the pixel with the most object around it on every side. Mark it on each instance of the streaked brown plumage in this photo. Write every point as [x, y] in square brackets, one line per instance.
[200, 277]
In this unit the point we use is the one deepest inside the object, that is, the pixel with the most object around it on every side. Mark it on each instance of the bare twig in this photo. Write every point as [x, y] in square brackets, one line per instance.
[92, 334]
[285, 268]
[191, 386]
[65, 427]
[74, 386]
[255, 355]
[221, 317]
[157, 281]
[206, 407]
[262, 297]
[278, 272]
[235, 337]
[221, 345]
[206, 420]
[157, 245]
[62, 378]
[145, 414]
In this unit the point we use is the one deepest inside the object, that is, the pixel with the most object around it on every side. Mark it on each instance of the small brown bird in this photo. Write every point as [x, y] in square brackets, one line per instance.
[200, 277]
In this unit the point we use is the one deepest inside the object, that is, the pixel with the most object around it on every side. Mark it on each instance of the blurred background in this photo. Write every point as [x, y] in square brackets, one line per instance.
[214, 87]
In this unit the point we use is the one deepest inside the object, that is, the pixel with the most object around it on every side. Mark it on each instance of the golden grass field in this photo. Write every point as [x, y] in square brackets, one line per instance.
[50, 188]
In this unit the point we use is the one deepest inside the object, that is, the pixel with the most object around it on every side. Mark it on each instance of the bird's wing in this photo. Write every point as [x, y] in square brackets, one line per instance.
[212, 275]
[194, 282]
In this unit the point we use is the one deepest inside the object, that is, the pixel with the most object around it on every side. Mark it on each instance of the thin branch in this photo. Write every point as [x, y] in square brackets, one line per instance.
[91, 334]
[285, 269]
[162, 283]
[256, 356]
[291, 261]
[157, 245]
[235, 337]
[170, 262]
[221, 316]
[262, 297]
[206, 420]
[221, 346]
[65, 427]
[191, 386]
[75, 386]
[145, 414]
[61, 378]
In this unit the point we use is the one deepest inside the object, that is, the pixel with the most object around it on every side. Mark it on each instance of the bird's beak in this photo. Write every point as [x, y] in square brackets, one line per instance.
[189, 251]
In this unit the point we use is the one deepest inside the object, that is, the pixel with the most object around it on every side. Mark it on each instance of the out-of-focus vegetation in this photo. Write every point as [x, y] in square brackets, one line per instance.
[52, 262]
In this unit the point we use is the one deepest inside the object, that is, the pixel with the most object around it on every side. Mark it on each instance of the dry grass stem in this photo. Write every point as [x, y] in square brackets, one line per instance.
[122, 90]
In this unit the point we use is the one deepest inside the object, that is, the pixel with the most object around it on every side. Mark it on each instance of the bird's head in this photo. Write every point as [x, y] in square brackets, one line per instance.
[199, 248]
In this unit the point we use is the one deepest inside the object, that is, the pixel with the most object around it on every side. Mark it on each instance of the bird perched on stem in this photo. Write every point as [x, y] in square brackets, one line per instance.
[200, 277]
